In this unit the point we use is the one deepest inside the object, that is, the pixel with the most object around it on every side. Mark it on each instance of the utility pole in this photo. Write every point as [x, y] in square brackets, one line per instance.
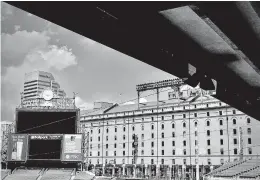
[241, 153]
[135, 145]
[86, 148]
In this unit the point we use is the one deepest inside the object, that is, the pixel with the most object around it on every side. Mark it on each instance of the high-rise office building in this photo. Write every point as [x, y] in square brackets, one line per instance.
[35, 82]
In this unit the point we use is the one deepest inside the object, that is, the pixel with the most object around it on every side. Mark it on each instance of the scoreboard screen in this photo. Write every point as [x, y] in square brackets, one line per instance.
[17, 147]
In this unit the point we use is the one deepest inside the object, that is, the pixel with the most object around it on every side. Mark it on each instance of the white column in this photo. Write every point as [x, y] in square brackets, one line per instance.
[211, 168]
[197, 172]
[158, 170]
[146, 169]
[123, 170]
[113, 170]
[103, 170]
[134, 171]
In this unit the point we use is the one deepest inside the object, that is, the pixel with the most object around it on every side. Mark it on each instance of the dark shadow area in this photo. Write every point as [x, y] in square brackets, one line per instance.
[44, 149]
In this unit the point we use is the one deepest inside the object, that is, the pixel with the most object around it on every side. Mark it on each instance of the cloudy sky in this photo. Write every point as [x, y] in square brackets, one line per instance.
[94, 71]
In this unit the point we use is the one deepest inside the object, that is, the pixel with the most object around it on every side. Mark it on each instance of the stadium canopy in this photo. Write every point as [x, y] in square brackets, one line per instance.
[199, 40]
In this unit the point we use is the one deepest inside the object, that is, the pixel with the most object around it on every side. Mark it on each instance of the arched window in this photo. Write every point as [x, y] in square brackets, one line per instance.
[248, 120]
[234, 121]
[184, 125]
[115, 129]
[195, 123]
[208, 132]
[162, 135]
[107, 130]
[220, 122]
[162, 126]
[124, 129]
[208, 123]
[133, 128]
[152, 126]
[98, 131]
[173, 125]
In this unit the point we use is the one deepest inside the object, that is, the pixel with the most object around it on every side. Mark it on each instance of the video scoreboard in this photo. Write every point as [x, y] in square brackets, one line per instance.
[63, 147]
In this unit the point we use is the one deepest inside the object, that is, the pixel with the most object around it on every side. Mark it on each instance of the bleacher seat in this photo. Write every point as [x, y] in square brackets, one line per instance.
[236, 170]
[84, 175]
[57, 174]
[24, 174]
[251, 174]
[4, 173]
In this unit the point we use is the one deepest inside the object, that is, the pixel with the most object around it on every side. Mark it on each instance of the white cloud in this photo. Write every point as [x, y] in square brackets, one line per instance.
[17, 27]
[83, 105]
[15, 47]
[58, 58]
[85, 42]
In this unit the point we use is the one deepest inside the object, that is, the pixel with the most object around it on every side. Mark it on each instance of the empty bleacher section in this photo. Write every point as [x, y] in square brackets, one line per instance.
[57, 174]
[24, 174]
[4, 173]
[241, 170]
[84, 175]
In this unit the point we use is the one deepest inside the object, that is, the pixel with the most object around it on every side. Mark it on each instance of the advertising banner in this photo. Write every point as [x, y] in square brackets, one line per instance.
[17, 147]
[72, 147]
[45, 137]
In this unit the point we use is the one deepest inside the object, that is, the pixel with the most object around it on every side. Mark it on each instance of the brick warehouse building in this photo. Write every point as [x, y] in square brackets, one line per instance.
[200, 130]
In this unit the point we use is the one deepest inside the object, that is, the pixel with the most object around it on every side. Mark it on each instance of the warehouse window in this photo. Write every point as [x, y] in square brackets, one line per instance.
[235, 151]
[152, 144]
[208, 123]
[173, 125]
[184, 143]
[221, 151]
[142, 144]
[162, 152]
[152, 161]
[124, 129]
[195, 114]
[248, 120]
[220, 113]
[220, 122]
[249, 150]
[142, 152]
[162, 117]
[173, 143]
[234, 121]
[162, 143]
[248, 130]
[123, 145]
[195, 123]
[152, 135]
[98, 131]
[235, 141]
[249, 141]
[162, 161]
[173, 152]
[221, 132]
[209, 152]
[162, 135]
[184, 151]
[208, 132]
[221, 142]
[234, 111]
[208, 142]
[234, 131]
[152, 152]
[124, 137]
[184, 125]
[133, 128]
[152, 126]
[162, 126]
[173, 134]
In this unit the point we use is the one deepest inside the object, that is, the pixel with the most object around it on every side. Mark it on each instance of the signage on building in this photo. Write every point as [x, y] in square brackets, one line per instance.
[45, 137]
[63, 103]
[72, 147]
[17, 147]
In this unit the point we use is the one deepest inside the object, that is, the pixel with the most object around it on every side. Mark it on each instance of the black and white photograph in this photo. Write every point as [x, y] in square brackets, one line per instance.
[130, 90]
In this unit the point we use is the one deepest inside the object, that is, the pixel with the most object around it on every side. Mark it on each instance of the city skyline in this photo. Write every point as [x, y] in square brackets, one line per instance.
[79, 64]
